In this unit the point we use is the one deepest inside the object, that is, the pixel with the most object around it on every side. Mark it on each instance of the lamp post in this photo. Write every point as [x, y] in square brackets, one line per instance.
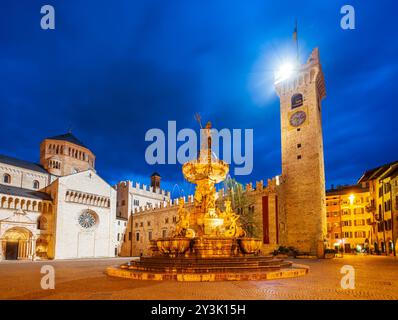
[352, 211]
[342, 241]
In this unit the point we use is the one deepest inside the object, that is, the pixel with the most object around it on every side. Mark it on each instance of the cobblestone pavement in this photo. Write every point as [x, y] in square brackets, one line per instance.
[376, 278]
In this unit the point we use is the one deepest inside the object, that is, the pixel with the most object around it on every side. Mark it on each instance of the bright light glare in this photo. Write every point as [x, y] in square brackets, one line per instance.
[284, 72]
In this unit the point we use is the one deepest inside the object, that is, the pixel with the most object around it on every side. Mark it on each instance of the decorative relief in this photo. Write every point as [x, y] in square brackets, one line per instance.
[87, 198]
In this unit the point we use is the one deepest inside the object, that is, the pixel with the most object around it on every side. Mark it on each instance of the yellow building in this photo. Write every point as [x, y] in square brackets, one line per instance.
[349, 223]
[383, 187]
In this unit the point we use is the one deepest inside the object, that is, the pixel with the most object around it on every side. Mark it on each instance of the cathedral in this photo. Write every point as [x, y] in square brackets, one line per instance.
[62, 209]
[57, 209]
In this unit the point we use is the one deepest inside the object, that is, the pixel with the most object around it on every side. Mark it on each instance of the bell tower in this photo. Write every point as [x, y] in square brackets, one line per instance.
[155, 181]
[303, 173]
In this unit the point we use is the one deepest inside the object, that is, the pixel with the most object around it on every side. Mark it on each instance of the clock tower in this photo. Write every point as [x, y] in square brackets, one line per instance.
[303, 174]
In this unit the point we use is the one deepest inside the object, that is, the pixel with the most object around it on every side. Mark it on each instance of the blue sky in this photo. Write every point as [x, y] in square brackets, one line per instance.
[111, 70]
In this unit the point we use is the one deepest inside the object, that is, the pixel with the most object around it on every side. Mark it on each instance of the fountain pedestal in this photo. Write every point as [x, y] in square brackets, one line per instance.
[206, 247]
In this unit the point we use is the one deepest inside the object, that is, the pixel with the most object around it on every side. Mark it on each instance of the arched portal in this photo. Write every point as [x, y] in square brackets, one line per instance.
[17, 243]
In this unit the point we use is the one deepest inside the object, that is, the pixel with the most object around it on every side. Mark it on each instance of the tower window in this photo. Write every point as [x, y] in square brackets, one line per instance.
[298, 129]
[297, 100]
[298, 157]
[299, 145]
[36, 184]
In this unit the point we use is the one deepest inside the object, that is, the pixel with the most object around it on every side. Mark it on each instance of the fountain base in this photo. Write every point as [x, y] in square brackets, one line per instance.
[207, 259]
[208, 269]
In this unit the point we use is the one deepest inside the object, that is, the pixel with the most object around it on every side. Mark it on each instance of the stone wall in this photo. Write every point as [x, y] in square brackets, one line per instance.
[23, 178]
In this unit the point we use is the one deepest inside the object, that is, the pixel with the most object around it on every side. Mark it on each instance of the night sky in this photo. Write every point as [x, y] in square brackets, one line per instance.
[111, 70]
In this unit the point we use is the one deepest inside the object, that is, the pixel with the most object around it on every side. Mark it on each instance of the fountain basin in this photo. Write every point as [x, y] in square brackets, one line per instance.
[195, 170]
[206, 247]
[173, 246]
[250, 245]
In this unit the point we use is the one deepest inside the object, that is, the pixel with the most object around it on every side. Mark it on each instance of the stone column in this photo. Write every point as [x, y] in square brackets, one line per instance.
[21, 248]
[24, 253]
[29, 249]
[20, 242]
[33, 248]
[2, 250]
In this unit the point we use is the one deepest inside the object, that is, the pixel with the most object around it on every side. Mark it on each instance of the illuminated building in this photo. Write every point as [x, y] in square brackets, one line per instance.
[383, 187]
[349, 223]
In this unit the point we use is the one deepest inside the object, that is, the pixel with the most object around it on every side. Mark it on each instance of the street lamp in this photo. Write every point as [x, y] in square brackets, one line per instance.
[352, 198]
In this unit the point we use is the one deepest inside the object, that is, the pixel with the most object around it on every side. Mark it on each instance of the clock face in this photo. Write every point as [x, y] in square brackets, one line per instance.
[298, 118]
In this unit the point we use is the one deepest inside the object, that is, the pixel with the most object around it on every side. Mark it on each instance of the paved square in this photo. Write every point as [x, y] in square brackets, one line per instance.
[376, 278]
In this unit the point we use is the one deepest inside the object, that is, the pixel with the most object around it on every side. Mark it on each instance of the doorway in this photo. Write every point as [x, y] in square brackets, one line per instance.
[17, 243]
[12, 250]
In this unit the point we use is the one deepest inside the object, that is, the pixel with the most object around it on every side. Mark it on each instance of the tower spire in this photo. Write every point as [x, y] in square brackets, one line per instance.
[295, 39]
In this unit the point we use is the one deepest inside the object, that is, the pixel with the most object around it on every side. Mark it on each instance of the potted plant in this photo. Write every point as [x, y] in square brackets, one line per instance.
[330, 253]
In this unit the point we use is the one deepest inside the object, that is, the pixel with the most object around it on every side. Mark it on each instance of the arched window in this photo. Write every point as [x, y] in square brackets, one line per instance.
[6, 178]
[297, 100]
[36, 184]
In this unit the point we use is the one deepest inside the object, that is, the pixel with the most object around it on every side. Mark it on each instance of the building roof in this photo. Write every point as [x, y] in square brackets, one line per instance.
[21, 192]
[69, 137]
[390, 172]
[377, 172]
[155, 174]
[22, 164]
[356, 188]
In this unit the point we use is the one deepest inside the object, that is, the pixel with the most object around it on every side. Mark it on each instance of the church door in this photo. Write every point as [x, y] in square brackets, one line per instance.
[12, 250]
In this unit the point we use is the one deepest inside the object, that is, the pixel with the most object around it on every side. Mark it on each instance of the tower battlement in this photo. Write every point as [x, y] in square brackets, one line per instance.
[172, 203]
[141, 189]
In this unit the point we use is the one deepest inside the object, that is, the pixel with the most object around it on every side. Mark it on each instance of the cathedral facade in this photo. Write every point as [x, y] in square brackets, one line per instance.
[58, 209]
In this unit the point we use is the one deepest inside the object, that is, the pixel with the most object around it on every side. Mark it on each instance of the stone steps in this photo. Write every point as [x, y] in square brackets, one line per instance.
[207, 269]
[205, 265]
[265, 274]
[191, 268]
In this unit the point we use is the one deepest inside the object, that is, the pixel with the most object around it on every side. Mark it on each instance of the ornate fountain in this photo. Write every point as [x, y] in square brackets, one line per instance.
[208, 244]
[206, 231]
